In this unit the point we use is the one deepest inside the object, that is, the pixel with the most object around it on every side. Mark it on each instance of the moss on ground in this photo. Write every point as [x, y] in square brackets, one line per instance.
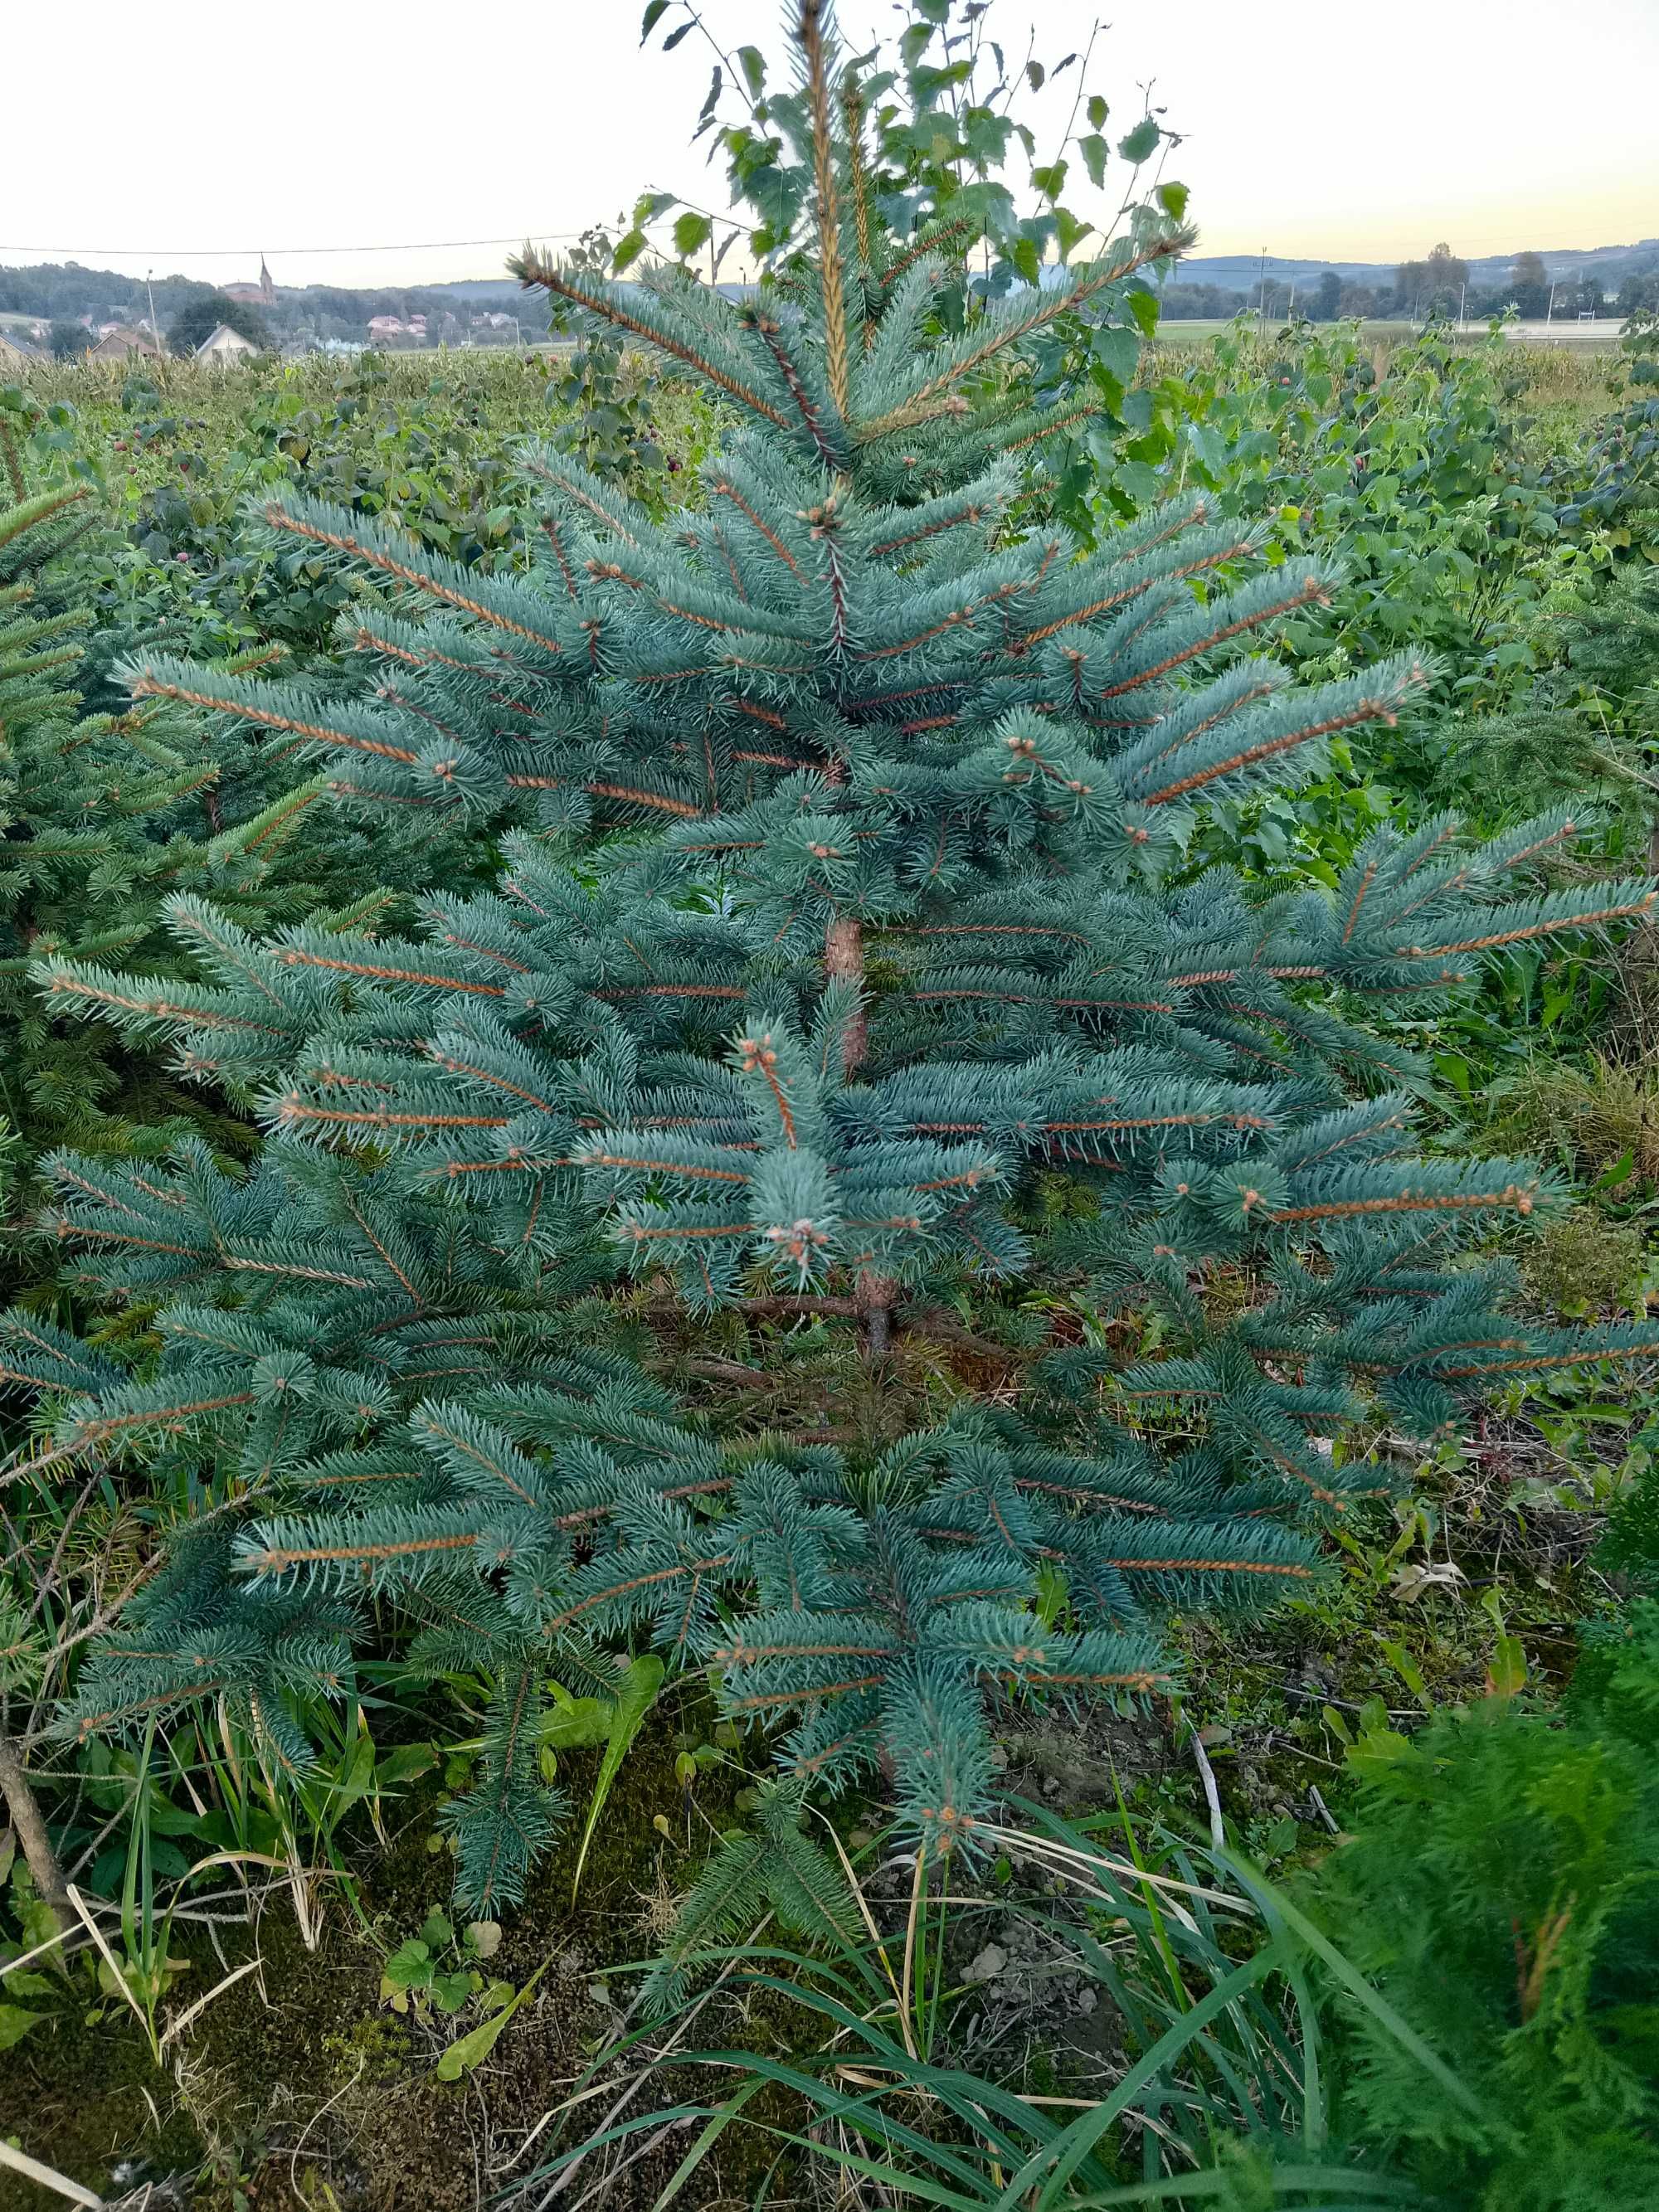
[297, 2089]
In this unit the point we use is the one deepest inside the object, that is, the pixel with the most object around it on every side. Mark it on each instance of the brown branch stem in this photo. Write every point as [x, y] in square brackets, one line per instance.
[29, 1822]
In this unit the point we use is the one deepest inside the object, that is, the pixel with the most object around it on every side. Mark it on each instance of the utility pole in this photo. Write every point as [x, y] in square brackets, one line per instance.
[155, 327]
[1261, 306]
[1461, 297]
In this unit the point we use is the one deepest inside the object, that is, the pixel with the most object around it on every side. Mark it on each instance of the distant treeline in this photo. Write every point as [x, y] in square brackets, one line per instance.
[1440, 283]
[64, 292]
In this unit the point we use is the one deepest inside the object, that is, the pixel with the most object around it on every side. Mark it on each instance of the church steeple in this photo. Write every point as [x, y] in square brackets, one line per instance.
[267, 289]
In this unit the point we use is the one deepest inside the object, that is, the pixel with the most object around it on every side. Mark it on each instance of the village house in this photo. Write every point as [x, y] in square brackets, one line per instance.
[120, 344]
[224, 344]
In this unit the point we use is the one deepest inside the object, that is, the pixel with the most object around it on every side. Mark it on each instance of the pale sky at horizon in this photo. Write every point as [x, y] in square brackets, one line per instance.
[197, 134]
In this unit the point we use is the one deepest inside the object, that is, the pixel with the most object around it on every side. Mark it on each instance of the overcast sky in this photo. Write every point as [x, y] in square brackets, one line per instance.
[194, 135]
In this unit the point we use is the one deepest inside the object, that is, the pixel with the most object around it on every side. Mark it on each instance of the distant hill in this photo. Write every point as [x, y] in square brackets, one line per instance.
[1238, 272]
[478, 291]
[37, 294]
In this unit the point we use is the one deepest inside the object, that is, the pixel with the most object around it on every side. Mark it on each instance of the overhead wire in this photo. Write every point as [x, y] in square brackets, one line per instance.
[231, 253]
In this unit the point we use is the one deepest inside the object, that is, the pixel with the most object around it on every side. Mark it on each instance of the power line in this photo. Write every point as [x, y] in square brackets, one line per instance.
[230, 253]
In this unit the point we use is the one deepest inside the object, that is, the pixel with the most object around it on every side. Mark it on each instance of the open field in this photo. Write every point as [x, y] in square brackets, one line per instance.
[1601, 337]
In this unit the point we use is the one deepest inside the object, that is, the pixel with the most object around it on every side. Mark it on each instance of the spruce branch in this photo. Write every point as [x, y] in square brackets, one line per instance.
[535, 272]
[815, 36]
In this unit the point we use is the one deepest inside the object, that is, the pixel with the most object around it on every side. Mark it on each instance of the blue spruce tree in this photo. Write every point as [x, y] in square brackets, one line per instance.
[843, 920]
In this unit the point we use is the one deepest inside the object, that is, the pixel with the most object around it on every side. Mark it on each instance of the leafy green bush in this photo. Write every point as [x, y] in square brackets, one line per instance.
[1621, 492]
[1500, 1891]
[1415, 461]
[174, 452]
[1587, 729]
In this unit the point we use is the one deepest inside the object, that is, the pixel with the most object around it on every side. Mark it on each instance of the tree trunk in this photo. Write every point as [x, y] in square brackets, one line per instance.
[843, 961]
[27, 1818]
[873, 1295]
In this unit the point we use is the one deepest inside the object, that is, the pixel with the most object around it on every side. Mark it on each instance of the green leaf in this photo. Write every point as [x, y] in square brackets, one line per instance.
[1141, 141]
[574, 1723]
[674, 37]
[628, 249]
[690, 232]
[1097, 112]
[1408, 1671]
[1610, 1178]
[752, 63]
[437, 1929]
[451, 1992]
[15, 2023]
[1050, 180]
[1116, 349]
[653, 15]
[1069, 232]
[1172, 199]
[356, 1779]
[640, 1691]
[37, 1921]
[1377, 1746]
[472, 2049]
[1507, 1676]
[167, 1818]
[410, 1967]
[404, 1764]
[1094, 151]
[1034, 74]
